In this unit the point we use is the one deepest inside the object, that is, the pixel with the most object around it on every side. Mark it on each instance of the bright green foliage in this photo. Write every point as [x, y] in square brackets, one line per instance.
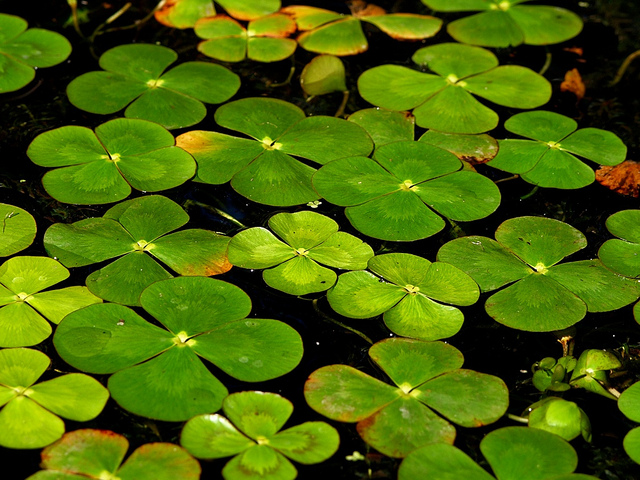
[309, 239]
[560, 416]
[393, 196]
[329, 32]
[22, 50]
[17, 229]
[158, 372]
[543, 296]
[408, 289]
[622, 254]
[398, 419]
[629, 404]
[504, 23]
[102, 166]
[323, 74]
[472, 149]
[548, 159]
[135, 75]
[24, 307]
[262, 168]
[444, 100]
[264, 39]
[252, 433]
[98, 454]
[385, 126]
[592, 369]
[551, 374]
[514, 453]
[138, 232]
[30, 415]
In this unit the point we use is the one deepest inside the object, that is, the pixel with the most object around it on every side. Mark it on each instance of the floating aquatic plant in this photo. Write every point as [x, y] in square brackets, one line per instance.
[393, 196]
[17, 229]
[158, 372]
[396, 419]
[136, 76]
[444, 100]
[413, 294]
[103, 166]
[543, 294]
[549, 159]
[333, 33]
[503, 23]
[138, 232]
[25, 308]
[98, 454]
[23, 50]
[30, 415]
[263, 167]
[251, 433]
[294, 264]
[263, 40]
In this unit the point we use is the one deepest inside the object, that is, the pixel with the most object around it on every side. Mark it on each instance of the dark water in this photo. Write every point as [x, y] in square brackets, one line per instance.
[610, 34]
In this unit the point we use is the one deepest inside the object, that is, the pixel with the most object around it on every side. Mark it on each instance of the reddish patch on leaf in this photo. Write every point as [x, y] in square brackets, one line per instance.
[623, 178]
[573, 83]
[360, 8]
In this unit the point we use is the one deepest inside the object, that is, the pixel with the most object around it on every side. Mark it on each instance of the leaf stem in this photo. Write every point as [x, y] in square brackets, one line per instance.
[340, 324]
[623, 68]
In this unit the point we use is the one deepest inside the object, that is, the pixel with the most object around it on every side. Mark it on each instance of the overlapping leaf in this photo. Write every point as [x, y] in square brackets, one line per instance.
[393, 196]
[410, 291]
[263, 168]
[137, 231]
[543, 295]
[158, 372]
[398, 419]
[444, 100]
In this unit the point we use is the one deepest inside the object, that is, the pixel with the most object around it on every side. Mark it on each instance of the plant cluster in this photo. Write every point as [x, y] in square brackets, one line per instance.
[362, 216]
